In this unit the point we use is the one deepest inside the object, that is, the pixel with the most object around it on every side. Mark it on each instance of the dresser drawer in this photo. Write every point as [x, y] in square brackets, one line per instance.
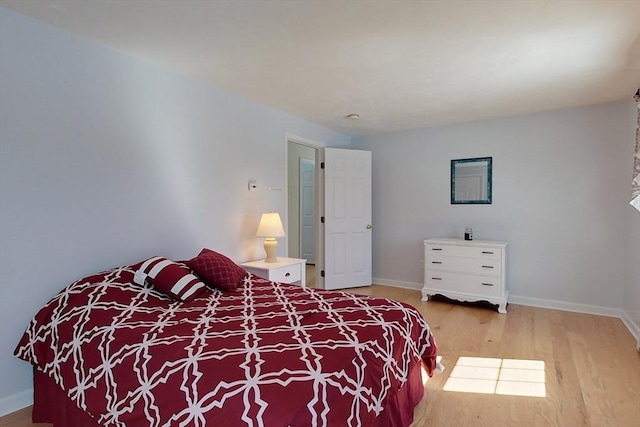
[462, 283]
[287, 274]
[463, 251]
[485, 267]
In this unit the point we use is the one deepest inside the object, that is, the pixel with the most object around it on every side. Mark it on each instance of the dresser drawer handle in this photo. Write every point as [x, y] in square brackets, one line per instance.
[436, 278]
[287, 275]
[488, 252]
[436, 249]
[487, 284]
[436, 262]
[487, 266]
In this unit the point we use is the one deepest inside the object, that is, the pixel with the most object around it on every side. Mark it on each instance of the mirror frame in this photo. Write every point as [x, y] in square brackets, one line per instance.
[487, 200]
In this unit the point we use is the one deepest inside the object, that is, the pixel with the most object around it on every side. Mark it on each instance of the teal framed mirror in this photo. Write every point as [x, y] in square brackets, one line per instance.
[471, 181]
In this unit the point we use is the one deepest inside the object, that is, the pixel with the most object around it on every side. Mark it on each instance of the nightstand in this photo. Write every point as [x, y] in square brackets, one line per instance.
[285, 270]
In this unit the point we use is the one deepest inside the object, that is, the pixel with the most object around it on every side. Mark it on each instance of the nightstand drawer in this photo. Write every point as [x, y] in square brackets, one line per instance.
[284, 270]
[288, 274]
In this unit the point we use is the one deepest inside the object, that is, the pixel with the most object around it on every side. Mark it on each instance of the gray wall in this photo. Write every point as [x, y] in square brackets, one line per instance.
[106, 159]
[561, 182]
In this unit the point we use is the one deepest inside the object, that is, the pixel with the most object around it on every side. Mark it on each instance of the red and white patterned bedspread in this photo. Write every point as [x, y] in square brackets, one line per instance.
[266, 355]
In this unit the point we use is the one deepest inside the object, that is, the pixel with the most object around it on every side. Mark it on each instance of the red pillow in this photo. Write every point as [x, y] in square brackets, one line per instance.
[216, 270]
[169, 278]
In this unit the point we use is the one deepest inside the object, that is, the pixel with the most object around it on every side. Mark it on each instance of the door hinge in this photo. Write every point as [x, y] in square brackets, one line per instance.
[322, 165]
[321, 273]
[322, 219]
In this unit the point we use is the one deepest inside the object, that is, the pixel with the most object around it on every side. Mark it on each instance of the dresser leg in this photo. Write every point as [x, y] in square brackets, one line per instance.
[502, 308]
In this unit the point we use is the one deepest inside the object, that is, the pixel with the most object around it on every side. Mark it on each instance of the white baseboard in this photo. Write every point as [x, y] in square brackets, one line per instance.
[633, 327]
[543, 303]
[397, 283]
[16, 402]
[566, 306]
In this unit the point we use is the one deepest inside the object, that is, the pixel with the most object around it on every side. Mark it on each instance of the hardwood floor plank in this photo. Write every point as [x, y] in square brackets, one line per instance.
[563, 386]
[599, 406]
[493, 337]
[592, 368]
[21, 418]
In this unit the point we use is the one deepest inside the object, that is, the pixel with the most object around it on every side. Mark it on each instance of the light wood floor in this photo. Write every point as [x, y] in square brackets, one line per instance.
[592, 366]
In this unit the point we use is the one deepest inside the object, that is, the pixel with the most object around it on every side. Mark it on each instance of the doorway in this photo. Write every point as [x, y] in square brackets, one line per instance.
[307, 210]
[302, 203]
[344, 231]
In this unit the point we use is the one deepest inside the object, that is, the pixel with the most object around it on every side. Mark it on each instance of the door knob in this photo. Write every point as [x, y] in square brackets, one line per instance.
[369, 226]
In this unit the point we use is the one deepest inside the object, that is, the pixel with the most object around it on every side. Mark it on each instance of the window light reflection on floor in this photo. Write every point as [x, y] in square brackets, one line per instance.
[498, 376]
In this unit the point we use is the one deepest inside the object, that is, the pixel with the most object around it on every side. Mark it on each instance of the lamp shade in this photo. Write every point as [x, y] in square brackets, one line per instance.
[270, 225]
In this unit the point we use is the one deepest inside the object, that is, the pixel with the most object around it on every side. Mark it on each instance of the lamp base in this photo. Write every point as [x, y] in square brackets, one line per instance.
[270, 247]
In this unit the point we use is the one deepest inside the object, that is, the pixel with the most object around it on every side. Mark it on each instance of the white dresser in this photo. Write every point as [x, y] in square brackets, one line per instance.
[466, 270]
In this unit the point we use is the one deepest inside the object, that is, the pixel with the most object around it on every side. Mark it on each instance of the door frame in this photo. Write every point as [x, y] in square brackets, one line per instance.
[319, 198]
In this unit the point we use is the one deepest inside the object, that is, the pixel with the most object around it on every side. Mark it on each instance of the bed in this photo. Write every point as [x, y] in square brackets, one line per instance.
[114, 350]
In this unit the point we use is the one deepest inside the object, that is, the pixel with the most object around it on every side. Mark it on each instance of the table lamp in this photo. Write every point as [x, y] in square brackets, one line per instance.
[270, 227]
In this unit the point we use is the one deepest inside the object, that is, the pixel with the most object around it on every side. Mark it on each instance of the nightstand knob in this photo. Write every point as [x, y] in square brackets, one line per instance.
[369, 226]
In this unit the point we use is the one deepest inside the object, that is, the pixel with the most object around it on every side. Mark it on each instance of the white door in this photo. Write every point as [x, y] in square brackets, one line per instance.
[308, 210]
[347, 228]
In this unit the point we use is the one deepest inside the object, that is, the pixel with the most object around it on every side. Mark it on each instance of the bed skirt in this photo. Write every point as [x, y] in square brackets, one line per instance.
[51, 404]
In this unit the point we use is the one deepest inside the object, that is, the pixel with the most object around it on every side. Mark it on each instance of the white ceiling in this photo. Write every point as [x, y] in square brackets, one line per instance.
[399, 64]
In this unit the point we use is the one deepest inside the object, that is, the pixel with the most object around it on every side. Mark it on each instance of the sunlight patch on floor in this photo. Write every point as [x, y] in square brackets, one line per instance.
[485, 375]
